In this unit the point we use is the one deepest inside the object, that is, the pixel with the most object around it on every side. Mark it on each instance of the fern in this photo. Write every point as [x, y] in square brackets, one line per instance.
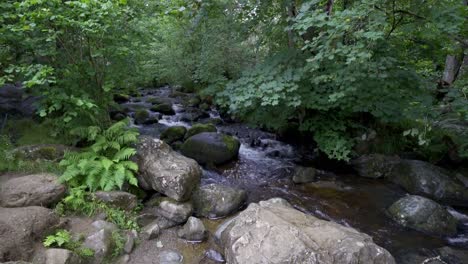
[106, 164]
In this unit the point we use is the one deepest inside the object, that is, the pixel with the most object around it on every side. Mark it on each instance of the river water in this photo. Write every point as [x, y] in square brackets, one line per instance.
[264, 169]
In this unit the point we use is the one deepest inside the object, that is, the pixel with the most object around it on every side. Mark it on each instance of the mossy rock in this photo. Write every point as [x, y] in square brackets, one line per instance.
[200, 128]
[121, 98]
[156, 101]
[194, 101]
[52, 152]
[211, 148]
[141, 116]
[164, 108]
[205, 107]
[173, 134]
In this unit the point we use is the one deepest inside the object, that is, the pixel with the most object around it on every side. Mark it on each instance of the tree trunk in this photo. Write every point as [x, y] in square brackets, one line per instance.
[452, 66]
[291, 15]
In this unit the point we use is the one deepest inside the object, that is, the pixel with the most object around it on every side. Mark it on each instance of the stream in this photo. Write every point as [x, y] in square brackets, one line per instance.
[264, 169]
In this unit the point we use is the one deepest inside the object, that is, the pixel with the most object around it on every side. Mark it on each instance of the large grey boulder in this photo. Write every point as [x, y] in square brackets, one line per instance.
[61, 256]
[166, 171]
[274, 232]
[21, 227]
[119, 199]
[422, 178]
[216, 201]
[30, 190]
[211, 148]
[424, 215]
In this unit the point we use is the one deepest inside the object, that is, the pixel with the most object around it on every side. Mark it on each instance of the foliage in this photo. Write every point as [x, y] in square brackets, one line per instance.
[80, 201]
[351, 67]
[119, 243]
[63, 239]
[105, 165]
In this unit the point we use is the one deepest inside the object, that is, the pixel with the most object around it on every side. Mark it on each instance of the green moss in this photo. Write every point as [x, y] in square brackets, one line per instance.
[141, 116]
[231, 143]
[200, 128]
[173, 134]
[29, 132]
[48, 153]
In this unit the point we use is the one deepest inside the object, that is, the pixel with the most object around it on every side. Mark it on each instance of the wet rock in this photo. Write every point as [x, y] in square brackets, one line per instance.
[200, 128]
[215, 256]
[118, 116]
[30, 190]
[61, 256]
[123, 259]
[141, 116]
[193, 115]
[166, 171]
[170, 257]
[375, 165]
[150, 231]
[304, 174]
[216, 201]
[453, 255]
[422, 178]
[20, 227]
[101, 224]
[211, 148]
[163, 108]
[151, 120]
[194, 101]
[205, 107]
[424, 215]
[101, 243]
[52, 152]
[130, 238]
[173, 134]
[121, 98]
[285, 235]
[193, 230]
[123, 200]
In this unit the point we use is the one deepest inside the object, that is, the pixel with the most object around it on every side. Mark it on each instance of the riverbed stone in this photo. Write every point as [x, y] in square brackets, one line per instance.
[211, 148]
[101, 224]
[61, 256]
[194, 230]
[163, 108]
[123, 200]
[173, 134]
[304, 174]
[141, 116]
[170, 257]
[423, 178]
[216, 201]
[423, 214]
[101, 243]
[166, 171]
[21, 227]
[374, 165]
[36, 189]
[200, 128]
[172, 210]
[285, 235]
[151, 231]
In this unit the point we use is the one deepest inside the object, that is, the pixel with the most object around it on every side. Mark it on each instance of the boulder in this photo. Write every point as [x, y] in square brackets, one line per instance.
[194, 101]
[211, 148]
[163, 108]
[200, 128]
[151, 231]
[215, 256]
[304, 175]
[123, 200]
[274, 232]
[192, 115]
[422, 178]
[173, 134]
[30, 190]
[141, 116]
[173, 211]
[193, 230]
[166, 171]
[216, 201]
[374, 165]
[61, 256]
[101, 243]
[101, 224]
[52, 152]
[20, 227]
[121, 98]
[423, 215]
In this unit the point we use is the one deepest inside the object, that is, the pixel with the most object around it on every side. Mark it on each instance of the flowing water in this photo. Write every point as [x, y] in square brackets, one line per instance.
[264, 169]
